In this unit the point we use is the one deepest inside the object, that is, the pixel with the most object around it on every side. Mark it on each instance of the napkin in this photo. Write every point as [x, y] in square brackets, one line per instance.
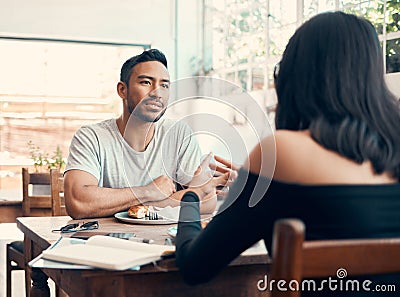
[170, 213]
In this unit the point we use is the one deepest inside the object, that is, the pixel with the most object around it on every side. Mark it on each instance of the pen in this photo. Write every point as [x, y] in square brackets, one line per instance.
[144, 240]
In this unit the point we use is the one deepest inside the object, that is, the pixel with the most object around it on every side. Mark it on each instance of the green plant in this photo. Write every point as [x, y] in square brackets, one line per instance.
[42, 160]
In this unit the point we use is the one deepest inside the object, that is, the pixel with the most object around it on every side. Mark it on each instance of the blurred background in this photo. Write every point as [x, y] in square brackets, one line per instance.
[60, 61]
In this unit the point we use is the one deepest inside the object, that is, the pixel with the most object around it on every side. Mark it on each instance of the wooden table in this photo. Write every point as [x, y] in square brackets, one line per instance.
[238, 279]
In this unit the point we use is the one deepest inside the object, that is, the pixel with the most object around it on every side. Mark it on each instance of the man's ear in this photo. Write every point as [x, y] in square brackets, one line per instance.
[122, 90]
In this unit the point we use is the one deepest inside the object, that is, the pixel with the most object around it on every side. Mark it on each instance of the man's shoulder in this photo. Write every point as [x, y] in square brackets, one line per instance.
[99, 127]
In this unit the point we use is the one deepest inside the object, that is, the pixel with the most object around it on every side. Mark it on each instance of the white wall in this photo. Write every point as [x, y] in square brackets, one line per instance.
[133, 21]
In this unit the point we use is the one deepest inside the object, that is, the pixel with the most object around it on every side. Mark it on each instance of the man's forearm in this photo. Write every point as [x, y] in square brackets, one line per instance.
[94, 201]
[206, 207]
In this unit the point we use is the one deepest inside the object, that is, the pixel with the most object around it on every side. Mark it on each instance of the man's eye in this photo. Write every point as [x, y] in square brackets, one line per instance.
[165, 86]
[145, 82]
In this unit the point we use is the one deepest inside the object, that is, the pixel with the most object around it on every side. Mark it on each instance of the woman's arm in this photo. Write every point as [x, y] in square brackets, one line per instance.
[202, 254]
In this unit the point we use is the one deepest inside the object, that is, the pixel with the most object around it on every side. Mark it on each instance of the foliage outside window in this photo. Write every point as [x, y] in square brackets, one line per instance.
[387, 25]
[254, 34]
[42, 160]
[239, 27]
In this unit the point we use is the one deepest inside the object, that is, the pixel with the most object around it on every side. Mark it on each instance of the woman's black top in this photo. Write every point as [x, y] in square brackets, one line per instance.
[328, 212]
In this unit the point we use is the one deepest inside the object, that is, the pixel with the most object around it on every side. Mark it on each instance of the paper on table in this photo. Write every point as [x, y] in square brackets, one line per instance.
[107, 253]
[39, 262]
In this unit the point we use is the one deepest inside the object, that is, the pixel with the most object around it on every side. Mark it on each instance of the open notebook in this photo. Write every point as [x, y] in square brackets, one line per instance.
[108, 253]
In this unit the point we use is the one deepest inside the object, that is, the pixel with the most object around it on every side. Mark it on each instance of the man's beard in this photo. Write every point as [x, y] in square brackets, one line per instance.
[145, 118]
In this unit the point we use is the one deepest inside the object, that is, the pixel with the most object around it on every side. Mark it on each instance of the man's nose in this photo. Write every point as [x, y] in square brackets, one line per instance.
[156, 92]
[159, 92]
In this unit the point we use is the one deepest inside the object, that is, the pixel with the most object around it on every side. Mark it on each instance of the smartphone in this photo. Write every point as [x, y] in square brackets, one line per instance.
[122, 235]
[87, 234]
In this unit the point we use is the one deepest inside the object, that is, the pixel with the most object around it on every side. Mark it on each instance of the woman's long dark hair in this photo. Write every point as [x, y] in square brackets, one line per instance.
[331, 81]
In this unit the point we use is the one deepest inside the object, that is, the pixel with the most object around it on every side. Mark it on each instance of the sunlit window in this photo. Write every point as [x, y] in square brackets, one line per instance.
[249, 36]
[49, 88]
[56, 86]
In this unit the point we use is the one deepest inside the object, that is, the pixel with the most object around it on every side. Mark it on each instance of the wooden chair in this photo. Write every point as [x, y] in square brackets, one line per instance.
[57, 193]
[14, 254]
[32, 205]
[35, 205]
[297, 259]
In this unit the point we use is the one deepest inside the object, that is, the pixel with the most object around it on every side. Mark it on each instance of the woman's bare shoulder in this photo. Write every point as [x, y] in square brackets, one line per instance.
[300, 159]
[293, 154]
[265, 156]
[295, 157]
[290, 156]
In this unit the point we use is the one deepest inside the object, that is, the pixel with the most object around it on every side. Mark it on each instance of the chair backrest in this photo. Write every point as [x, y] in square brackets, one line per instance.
[35, 205]
[57, 193]
[296, 259]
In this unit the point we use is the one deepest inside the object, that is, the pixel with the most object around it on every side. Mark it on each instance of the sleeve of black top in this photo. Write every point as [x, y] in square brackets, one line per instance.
[200, 255]
[189, 221]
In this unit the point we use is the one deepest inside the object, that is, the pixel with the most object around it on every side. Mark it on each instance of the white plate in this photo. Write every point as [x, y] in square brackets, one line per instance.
[123, 216]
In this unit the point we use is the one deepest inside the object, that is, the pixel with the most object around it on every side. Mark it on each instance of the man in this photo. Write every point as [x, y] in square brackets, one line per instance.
[138, 157]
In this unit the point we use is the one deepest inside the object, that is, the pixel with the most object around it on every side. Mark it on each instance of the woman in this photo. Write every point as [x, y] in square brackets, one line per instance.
[337, 153]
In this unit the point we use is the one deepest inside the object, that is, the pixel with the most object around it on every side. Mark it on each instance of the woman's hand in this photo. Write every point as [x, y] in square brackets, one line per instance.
[209, 176]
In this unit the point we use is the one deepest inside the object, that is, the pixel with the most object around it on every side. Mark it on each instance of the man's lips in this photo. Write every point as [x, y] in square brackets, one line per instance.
[154, 104]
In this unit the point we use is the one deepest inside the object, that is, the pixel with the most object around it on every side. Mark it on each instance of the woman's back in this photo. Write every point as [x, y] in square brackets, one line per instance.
[301, 160]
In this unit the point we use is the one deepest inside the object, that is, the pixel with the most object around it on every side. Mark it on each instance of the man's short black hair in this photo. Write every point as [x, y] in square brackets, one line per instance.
[146, 56]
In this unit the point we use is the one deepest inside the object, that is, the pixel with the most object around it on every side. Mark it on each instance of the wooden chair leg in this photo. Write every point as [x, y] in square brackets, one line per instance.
[8, 274]
[28, 284]
[28, 270]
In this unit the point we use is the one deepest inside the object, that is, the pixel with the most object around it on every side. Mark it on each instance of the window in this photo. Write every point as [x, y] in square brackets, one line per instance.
[250, 37]
[52, 87]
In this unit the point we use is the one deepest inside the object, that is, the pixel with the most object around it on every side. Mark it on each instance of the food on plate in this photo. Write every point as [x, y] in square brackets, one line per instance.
[138, 211]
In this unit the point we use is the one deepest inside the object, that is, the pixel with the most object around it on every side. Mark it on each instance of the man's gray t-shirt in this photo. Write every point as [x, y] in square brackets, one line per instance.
[101, 150]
